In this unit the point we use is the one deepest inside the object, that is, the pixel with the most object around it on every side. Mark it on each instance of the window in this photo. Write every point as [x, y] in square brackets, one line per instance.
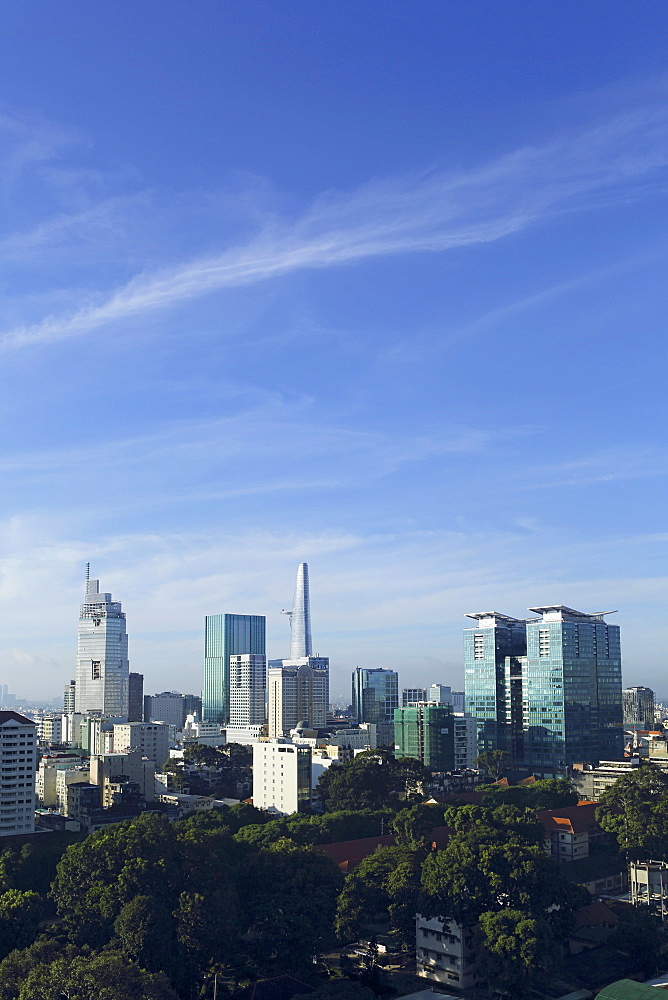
[543, 642]
[478, 647]
[96, 669]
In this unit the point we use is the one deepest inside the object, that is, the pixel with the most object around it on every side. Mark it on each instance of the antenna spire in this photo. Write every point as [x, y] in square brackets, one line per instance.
[87, 572]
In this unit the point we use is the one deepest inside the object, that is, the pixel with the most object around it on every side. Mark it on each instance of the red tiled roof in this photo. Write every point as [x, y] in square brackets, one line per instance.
[595, 915]
[571, 819]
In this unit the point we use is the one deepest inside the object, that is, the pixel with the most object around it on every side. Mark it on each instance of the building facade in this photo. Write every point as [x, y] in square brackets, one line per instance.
[413, 696]
[68, 697]
[638, 707]
[150, 738]
[375, 695]
[18, 756]
[546, 690]
[135, 697]
[281, 776]
[444, 952]
[298, 691]
[248, 689]
[427, 733]
[224, 636]
[466, 741]
[102, 681]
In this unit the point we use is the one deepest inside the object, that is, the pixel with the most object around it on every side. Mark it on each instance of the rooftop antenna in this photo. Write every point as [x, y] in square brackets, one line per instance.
[87, 572]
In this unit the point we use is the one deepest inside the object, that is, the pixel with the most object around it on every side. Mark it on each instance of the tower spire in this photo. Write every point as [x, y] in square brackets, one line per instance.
[300, 616]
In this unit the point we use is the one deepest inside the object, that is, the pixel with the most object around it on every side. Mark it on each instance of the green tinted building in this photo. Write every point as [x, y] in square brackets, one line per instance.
[224, 636]
[427, 733]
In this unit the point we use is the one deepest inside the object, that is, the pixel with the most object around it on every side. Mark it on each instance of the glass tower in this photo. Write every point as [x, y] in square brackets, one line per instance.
[493, 654]
[427, 733]
[102, 656]
[224, 636]
[638, 705]
[375, 697]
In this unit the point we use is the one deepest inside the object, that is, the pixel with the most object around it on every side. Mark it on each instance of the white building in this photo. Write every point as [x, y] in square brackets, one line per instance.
[298, 690]
[281, 776]
[203, 732]
[66, 776]
[466, 745]
[444, 952]
[45, 780]
[248, 689]
[151, 738]
[17, 774]
[102, 681]
[168, 706]
[51, 729]
[362, 737]
[107, 767]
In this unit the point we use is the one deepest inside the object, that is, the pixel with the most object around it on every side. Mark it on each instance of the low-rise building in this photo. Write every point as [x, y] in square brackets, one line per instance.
[570, 830]
[108, 768]
[444, 952]
[151, 738]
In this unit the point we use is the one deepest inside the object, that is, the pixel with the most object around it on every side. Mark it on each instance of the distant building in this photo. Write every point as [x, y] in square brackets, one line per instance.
[592, 781]
[300, 617]
[68, 697]
[638, 708]
[413, 696]
[281, 776]
[17, 774]
[248, 688]
[224, 636]
[106, 769]
[375, 697]
[102, 656]
[51, 729]
[547, 690]
[150, 738]
[298, 690]
[466, 743]
[427, 733]
[136, 698]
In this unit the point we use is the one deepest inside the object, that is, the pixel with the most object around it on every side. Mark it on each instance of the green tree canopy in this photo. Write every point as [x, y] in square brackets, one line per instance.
[635, 810]
[106, 976]
[514, 949]
[388, 880]
[20, 914]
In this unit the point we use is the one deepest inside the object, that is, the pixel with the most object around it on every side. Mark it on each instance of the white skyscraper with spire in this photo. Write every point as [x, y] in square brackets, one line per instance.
[102, 656]
[300, 616]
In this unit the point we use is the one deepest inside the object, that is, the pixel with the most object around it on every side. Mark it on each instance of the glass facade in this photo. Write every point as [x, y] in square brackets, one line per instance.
[547, 690]
[301, 643]
[103, 669]
[226, 635]
[375, 697]
[427, 733]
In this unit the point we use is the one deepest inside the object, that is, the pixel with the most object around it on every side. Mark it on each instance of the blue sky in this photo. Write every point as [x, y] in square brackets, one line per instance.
[377, 286]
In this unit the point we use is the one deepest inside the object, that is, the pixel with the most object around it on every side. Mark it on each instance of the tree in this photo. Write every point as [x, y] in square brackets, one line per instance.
[388, 880]
[412, 825]
[493, 762]
[635, 810]
[20, 914]
[371, 780]
[550, 793]
[515, 948]
[144, 933]
[106, 976]
[641, 935]
[201, 753]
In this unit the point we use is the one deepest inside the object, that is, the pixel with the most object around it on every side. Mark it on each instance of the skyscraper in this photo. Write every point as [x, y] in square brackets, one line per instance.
[547, 690]
[300, 616]
[638, 705]
[375, 697]
[298, 691]
[136, 698]
[226, 635]
[248, 687]
[427, 733]
[102, 657]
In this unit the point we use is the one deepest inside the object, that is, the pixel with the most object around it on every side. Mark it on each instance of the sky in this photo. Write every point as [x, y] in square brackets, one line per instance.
[380, 287]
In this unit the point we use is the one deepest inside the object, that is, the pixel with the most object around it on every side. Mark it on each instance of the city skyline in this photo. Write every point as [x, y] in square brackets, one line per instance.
[274, 294]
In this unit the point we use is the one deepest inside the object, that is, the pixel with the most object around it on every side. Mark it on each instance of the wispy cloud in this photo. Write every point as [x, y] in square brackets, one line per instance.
[436, 211]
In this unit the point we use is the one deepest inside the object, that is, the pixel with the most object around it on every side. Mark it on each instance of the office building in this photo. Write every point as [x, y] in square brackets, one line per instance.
[300, 616]
[442, 694]
[68, 697]
[18, 740]
[638, 708]
[103, 670]
[375, 697]
[224, 636]
[547, 690]
[151, 738]
[281, 776]
[466, 741]
[298, 691]
[248, 690]
[136, 698]
[105, 769]
[427, 733]
[413, 696]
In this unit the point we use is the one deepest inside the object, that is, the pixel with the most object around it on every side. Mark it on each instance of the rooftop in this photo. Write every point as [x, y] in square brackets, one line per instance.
[559, 612]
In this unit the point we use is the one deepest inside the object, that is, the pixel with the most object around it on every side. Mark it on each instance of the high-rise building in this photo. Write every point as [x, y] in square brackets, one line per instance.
[226, 635]
[466, 741]
[69, 697]
[169, 706]
[281, 776]
[413, 696]
[300, 616]
[638, 707]
[548, 690]
[17, 774]
[375, 697]
[427, 733]
[102, 679]
[248, 688]
[136, 698]
[298, 691]
[442, 694]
